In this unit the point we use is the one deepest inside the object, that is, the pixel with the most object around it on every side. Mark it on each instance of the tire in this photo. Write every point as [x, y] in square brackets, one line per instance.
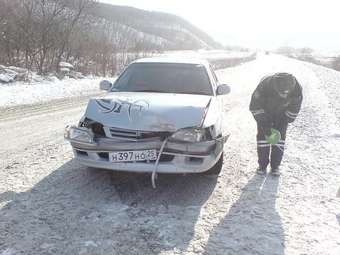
[217, 168]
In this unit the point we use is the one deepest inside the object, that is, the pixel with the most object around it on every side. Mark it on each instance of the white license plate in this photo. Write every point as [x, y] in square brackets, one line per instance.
[125, 156]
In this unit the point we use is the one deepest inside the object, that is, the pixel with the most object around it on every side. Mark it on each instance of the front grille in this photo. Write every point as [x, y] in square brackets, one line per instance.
[120, 133]
[133, 135]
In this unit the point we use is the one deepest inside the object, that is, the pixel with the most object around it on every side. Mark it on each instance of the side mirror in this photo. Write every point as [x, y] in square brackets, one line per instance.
[222, 89]
[105, 85]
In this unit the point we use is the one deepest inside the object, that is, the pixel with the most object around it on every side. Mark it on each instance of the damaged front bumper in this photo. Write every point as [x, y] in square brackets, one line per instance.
[176, 157]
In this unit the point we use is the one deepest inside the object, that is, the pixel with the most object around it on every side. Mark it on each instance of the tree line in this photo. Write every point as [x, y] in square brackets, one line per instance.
[39, 34]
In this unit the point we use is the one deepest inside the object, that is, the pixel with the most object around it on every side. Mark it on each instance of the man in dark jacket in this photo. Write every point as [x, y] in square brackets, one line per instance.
[275, 102]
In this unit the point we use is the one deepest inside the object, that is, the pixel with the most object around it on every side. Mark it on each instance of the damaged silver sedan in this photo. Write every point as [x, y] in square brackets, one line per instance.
[161, 115]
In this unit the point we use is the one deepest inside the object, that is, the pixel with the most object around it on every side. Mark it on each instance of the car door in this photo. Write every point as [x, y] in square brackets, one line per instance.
[218, 102]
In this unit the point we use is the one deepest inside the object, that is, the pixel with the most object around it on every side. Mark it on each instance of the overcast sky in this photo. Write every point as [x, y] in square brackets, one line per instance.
[257, 23]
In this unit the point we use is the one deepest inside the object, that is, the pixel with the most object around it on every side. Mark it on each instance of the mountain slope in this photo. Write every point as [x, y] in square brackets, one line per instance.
[176, 32]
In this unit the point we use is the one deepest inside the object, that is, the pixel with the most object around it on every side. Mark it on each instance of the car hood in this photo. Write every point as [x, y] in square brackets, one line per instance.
[148, 111]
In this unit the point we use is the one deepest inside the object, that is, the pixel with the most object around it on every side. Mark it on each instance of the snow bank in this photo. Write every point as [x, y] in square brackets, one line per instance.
[6, 78]
[11, 73]
[66, 65]
[21, 93]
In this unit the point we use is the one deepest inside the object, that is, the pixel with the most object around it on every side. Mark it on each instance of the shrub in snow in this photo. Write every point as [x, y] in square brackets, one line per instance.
[75, 75]
[64, 70]
[12, 73]
[67, 70]
[66, 65]
[19, 70]
[7, 75]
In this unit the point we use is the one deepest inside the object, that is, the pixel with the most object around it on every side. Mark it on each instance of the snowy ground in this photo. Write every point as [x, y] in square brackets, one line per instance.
[49, 204]
[19, 93]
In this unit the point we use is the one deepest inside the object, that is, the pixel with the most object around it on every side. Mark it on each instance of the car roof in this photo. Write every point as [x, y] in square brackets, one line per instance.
[173, 60]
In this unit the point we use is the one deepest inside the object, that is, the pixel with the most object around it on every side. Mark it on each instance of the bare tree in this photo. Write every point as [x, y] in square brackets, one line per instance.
[39, 34]
[72, 19]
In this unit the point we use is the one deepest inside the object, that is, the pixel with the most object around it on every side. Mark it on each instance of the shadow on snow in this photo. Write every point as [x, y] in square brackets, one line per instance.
[252, 225]
[80, 210]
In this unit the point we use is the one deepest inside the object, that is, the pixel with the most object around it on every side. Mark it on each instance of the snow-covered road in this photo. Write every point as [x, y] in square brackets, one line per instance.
[51, 205]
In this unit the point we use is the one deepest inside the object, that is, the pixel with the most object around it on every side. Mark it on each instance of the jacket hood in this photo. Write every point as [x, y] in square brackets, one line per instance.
[148, 111]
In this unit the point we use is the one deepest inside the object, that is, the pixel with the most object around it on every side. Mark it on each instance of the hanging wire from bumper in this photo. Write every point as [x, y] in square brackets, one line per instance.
[154, 172]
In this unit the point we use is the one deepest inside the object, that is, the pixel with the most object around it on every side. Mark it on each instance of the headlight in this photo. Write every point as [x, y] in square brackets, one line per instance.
[191, 135]
[78, 134]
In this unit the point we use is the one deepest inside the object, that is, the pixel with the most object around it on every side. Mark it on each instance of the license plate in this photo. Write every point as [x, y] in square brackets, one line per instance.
[125, 156]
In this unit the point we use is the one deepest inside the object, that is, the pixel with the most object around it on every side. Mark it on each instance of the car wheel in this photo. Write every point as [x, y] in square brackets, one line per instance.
[216, 169]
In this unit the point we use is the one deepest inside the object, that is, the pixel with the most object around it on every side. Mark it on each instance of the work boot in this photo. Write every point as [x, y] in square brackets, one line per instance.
[275, 171]
[261, 170]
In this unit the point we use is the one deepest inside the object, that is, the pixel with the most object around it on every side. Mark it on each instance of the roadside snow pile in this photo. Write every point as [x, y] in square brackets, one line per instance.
[12, 73]
[9, 75]
[21, 93]
[5, 78]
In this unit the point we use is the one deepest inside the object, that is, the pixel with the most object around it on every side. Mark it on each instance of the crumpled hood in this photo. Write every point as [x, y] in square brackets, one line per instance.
[148, 111]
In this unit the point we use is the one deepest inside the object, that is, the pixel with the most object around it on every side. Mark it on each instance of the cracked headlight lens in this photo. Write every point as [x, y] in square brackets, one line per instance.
[191, 135]
[78, 134]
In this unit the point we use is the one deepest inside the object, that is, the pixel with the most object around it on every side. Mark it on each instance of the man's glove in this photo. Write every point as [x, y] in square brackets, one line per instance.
[274, 137]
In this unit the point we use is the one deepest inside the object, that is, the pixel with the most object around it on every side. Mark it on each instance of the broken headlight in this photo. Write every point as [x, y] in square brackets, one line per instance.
[192, 135]
[79, 134]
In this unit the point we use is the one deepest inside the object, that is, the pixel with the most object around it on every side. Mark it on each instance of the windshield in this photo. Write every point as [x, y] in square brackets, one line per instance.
[165, 78]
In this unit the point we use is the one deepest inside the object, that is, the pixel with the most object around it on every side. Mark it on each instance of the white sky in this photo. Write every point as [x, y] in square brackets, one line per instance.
[257, 23]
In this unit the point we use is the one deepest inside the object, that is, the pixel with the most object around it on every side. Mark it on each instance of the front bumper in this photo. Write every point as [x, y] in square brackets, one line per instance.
[176, 157]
